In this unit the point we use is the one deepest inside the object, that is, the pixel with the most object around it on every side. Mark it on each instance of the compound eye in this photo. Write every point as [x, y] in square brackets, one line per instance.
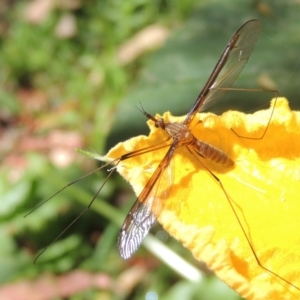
[160, 123]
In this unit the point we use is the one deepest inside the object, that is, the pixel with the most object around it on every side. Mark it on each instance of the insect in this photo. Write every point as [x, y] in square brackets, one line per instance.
[149, 203]
[147, 207]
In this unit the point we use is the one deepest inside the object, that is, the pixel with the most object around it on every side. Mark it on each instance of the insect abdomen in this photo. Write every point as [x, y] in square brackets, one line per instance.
[212, 153]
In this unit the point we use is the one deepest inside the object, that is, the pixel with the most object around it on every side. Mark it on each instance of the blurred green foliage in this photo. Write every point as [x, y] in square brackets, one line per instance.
[50, 83]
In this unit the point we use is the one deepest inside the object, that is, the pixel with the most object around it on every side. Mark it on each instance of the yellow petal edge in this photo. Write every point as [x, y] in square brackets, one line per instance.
[263, 186]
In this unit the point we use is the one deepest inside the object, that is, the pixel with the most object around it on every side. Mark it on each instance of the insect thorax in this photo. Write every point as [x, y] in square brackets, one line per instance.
[178, 131]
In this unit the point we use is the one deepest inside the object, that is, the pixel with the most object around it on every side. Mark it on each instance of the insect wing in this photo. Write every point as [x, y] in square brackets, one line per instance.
[149, 204]
[146, 208]
[135, 227]
[228, 68]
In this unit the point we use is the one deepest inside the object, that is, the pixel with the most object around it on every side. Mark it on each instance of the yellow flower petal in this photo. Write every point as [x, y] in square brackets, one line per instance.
[263, 186]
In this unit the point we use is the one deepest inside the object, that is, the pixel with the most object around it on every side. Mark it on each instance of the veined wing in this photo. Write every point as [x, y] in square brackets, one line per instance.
[228, 68]
[144, 211]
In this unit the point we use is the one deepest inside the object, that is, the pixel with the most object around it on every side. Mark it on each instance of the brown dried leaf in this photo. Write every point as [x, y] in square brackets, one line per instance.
[147, 39]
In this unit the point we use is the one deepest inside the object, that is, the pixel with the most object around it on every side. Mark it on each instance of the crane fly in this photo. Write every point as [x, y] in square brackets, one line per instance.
[150, 202]
[148, 205]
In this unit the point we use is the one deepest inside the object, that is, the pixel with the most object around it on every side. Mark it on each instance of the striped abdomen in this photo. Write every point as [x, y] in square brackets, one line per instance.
[212, 153]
